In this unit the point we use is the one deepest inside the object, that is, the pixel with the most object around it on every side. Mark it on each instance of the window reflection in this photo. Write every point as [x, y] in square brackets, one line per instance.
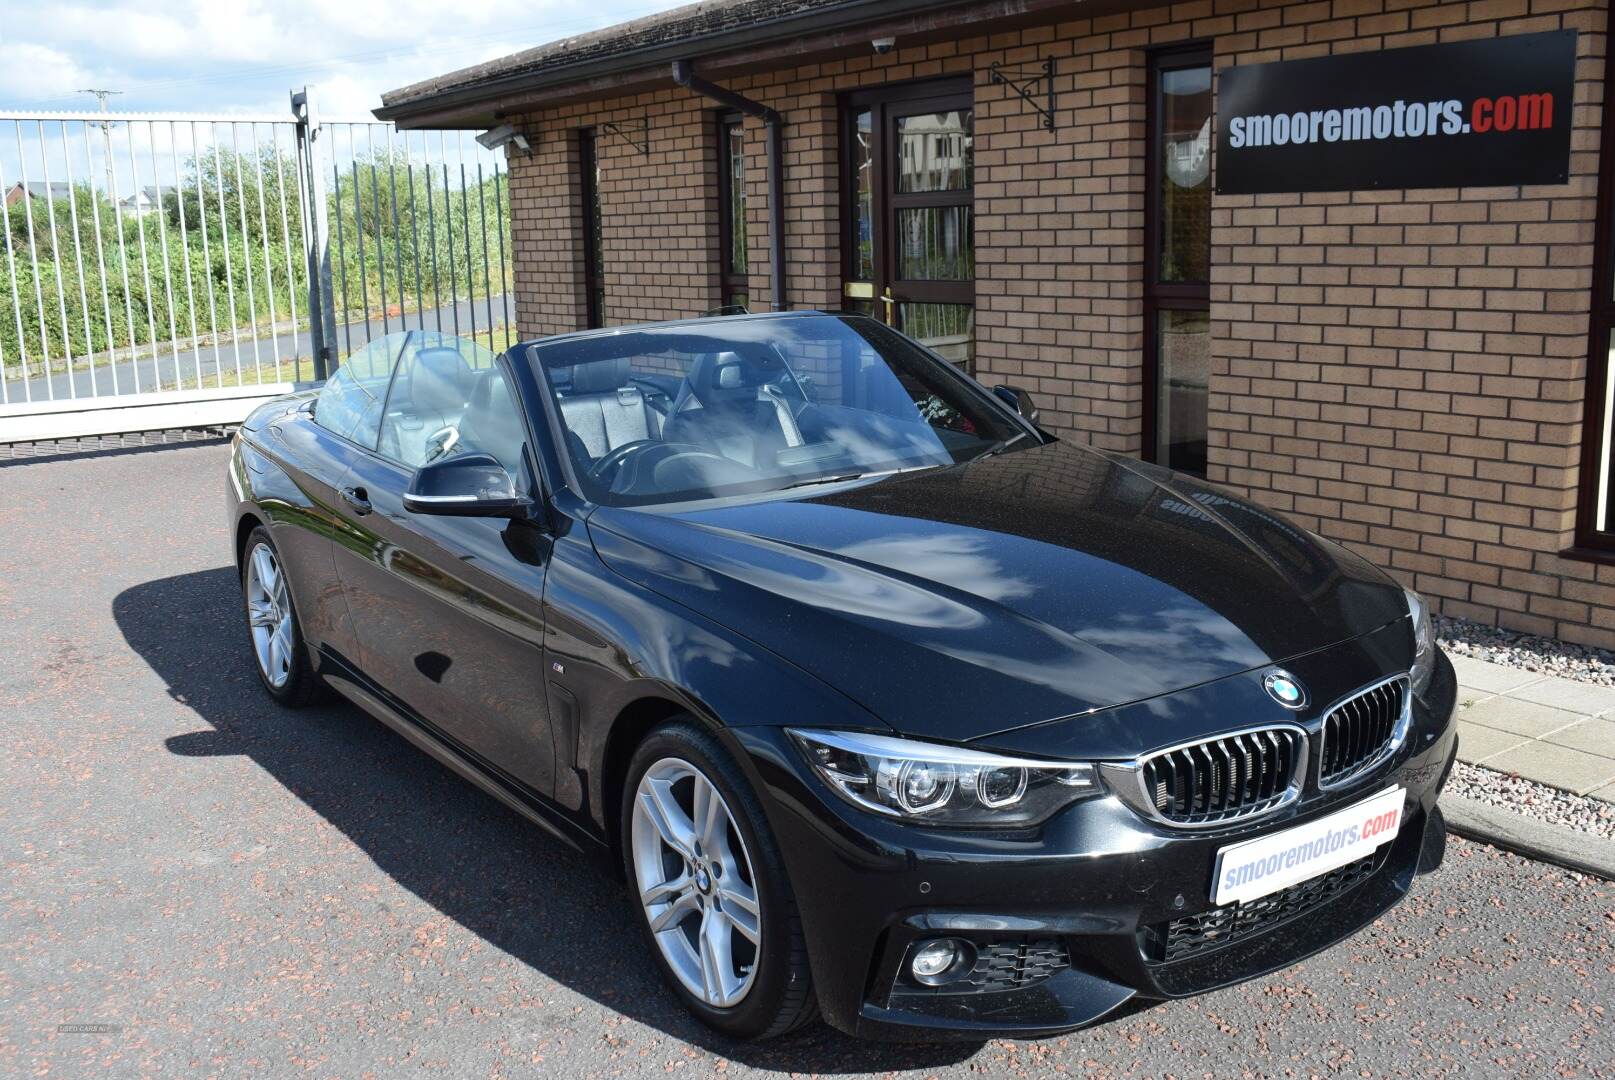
[1185, 171]
[937, 244]
[1183, 351]
[948, 329]
[863, 195]
[934, 151]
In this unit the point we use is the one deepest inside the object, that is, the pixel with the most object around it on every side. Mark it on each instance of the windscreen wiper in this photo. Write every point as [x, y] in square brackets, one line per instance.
[825, 480]
[1000, 448]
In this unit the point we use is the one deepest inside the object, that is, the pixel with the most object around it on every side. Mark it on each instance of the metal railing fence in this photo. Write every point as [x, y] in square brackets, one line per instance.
[155, 252]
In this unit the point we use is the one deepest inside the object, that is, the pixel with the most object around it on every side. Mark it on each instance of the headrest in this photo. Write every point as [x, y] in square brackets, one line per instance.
[441, 381]
[721, 376]
[599, 376]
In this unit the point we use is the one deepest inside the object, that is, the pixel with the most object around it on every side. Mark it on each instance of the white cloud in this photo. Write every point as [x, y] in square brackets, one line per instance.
[31, 70]
[217, 55]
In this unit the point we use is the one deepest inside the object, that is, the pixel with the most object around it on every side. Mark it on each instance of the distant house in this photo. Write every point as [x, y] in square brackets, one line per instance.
[148, 198]
[35, 189]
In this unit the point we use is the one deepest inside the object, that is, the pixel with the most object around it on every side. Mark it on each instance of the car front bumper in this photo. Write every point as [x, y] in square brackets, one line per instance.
[1074, 917]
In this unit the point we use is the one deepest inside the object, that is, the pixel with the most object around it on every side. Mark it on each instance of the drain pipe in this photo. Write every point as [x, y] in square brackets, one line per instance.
[685, 76]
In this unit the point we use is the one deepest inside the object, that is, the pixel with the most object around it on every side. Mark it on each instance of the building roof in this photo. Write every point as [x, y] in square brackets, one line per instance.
[688, 24]
[36, 189]
[722, 37]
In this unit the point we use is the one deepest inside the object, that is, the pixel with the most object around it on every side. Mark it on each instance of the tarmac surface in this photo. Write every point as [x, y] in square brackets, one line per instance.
[197, 882]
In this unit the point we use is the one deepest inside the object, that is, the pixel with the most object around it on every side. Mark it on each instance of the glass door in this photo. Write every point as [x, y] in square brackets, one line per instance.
[910, 240]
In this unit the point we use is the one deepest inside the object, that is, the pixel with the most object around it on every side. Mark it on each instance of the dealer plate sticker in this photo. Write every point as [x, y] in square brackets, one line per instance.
[1254, 868]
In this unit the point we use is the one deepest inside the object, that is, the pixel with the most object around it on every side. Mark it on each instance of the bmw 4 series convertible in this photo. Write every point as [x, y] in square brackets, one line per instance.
[889, 706]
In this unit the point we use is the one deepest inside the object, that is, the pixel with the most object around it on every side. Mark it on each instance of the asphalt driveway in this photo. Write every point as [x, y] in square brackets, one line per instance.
[197, 882]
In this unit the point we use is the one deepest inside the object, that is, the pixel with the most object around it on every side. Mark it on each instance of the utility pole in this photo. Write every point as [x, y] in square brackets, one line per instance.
[106, 137]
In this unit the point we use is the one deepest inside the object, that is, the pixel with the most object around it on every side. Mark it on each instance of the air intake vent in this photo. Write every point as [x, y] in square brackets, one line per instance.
[1362, 731]
[1222, 780]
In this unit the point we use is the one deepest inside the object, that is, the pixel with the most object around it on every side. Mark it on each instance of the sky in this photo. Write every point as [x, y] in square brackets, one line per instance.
[244, 55]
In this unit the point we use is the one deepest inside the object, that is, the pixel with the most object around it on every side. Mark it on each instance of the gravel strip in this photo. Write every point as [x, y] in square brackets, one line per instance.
[1509, 792]
[1547, 656]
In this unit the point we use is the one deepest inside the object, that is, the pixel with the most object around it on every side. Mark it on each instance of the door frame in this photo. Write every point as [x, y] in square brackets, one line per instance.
[885, 104]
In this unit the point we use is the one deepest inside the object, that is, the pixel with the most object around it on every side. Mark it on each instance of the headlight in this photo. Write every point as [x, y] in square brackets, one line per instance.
[942, 785]
[1424, 642]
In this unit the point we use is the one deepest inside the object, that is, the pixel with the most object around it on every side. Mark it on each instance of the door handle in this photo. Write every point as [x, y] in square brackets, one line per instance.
[356, 498]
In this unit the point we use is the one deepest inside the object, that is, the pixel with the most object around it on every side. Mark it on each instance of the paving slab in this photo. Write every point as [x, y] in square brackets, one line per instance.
[1526, 718]
[1558, 766]
[1593, 736]
[1477, 743]
[1490, 678]
[1604, 794]
[1569, 694]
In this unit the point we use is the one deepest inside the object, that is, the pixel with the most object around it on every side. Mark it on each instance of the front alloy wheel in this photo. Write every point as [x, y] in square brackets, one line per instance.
[696, 883]
[709, 885]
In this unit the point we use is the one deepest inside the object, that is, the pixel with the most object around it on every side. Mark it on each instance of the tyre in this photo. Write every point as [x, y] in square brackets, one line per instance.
[706, 879]
[277, 639]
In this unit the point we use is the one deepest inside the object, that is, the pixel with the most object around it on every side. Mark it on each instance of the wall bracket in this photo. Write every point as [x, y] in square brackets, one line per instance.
[1024, 80]
[642, 143]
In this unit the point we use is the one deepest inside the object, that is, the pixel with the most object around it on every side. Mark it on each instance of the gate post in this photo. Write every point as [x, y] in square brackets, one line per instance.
[312, 169]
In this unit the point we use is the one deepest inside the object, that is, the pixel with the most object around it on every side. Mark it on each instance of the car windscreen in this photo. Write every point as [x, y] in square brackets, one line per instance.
[739, 406]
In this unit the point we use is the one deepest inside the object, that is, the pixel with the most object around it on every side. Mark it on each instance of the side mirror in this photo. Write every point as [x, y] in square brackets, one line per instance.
[1019, 400]
[467, 485]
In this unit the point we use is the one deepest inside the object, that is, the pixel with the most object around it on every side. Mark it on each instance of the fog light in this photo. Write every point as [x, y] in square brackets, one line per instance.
[941, 961]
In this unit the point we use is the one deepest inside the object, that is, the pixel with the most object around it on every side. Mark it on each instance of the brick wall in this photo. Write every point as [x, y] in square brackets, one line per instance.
[1402, 371]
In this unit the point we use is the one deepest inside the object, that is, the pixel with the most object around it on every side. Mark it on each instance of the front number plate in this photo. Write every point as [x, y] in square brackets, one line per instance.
[1254, 868]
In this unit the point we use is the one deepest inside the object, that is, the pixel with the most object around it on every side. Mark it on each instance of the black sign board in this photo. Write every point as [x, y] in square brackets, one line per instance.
[1483, 113]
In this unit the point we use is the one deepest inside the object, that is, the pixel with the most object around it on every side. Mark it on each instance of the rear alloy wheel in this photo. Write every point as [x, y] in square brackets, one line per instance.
[710, 887]
[277, 640]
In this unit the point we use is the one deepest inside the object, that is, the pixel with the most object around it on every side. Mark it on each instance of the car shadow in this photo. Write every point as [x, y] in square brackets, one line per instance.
[456, 848]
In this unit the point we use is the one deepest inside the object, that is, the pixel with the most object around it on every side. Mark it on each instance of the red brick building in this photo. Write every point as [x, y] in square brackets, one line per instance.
[1419, 372]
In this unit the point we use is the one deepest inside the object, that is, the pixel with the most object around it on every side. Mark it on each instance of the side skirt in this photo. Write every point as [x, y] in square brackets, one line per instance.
[357, 689]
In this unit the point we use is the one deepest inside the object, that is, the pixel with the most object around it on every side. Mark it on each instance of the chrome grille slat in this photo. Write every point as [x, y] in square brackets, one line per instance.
[1224, 779]
[1362, 731]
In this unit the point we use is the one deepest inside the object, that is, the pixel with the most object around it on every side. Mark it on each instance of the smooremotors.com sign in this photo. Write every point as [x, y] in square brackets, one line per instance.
[1482, 113]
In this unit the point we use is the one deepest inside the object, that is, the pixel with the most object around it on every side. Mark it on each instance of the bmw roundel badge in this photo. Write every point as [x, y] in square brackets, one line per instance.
[1283, 688]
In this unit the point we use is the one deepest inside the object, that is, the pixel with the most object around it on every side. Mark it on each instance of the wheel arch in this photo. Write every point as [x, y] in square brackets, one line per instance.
[248, 522]
[632, 723]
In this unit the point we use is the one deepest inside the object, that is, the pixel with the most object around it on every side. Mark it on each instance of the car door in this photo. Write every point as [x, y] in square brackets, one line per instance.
[448, 610]
[315, 447]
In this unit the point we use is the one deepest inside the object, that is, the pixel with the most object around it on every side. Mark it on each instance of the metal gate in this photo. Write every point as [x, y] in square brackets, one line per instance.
[169, 270]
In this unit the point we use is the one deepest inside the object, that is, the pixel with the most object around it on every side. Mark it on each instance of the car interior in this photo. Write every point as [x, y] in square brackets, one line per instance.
[440, 404]
[694, 413]
[650, 416]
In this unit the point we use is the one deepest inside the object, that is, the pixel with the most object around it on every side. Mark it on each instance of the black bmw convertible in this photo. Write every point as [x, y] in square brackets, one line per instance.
[889, 706]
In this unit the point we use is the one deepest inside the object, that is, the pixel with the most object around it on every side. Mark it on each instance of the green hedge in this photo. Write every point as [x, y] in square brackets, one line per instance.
[130, 292]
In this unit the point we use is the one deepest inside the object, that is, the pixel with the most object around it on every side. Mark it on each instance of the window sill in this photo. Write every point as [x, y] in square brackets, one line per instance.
[1582, 553]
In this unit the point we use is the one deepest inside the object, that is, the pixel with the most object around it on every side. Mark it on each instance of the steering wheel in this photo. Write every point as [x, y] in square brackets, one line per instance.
[630, 460]
[613, 458]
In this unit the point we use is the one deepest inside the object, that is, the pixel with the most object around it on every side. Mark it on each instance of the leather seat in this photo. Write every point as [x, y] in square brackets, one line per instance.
[603, 409]
[433, 398]
[729, 413]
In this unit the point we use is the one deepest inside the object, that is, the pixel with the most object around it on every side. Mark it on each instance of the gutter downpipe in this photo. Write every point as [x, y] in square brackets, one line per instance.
[684, 75]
